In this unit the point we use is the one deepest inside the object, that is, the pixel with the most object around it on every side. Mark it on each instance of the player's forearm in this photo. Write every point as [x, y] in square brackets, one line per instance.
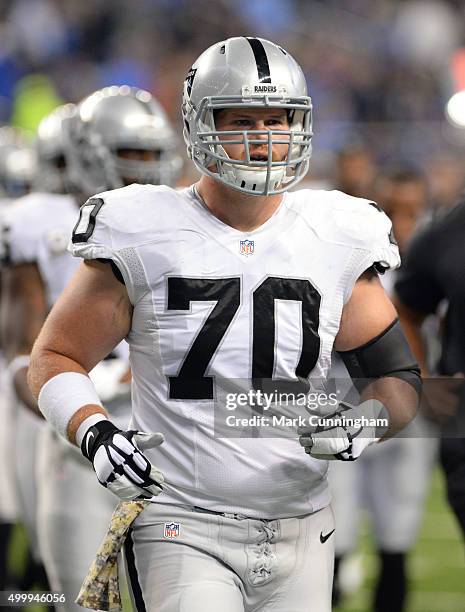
[24, 309]
[45, 365]
[398, 397]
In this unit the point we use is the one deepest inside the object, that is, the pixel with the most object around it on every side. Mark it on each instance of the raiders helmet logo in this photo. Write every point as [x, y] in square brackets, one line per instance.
[189, 80]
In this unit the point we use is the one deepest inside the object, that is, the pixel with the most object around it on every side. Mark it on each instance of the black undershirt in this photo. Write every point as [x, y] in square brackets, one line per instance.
[433, 269]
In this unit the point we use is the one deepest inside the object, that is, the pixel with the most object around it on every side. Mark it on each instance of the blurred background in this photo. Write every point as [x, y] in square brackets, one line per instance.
[381, 71]
[384, 77]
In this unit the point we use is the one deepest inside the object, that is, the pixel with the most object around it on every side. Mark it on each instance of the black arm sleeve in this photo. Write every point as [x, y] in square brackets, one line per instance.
[388, 354]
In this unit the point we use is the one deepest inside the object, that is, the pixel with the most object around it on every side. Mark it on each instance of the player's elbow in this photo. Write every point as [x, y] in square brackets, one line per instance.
[48, 360]
[44, 364]
[35, 375]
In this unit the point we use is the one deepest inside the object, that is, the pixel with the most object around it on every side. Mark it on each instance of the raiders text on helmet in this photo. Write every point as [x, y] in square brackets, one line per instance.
[255, 73]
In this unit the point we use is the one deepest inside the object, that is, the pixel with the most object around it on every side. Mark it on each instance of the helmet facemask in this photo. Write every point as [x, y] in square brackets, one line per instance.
[249, 175]
[162, 169]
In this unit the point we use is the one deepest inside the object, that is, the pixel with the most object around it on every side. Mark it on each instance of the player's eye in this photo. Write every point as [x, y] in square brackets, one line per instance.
[275, 121]
[242, 122]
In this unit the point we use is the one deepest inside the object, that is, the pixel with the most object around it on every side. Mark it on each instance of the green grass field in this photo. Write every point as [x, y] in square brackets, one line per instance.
[437, 563]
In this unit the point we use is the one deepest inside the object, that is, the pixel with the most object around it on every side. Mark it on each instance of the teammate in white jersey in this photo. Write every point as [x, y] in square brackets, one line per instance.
[39, 267]
[233, 278]
[18, 171]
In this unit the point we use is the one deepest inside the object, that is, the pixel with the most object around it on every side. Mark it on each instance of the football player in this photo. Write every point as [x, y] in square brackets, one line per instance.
[431, 276]
[390, 480]
[231, 278]
[123, 134]
[18, 171]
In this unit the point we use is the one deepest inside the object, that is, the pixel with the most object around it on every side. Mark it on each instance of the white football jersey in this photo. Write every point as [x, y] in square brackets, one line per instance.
[36, 229]
[4, 202]
[214, 302]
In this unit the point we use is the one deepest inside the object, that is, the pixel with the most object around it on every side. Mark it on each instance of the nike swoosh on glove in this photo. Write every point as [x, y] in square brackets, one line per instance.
[119, 463]
[348, 432]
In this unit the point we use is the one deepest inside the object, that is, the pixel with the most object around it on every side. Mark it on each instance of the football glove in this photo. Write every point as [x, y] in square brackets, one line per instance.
[349, 432]
[119, 463]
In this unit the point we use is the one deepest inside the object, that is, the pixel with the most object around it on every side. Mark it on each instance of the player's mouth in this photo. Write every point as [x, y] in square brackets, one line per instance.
[260, 158]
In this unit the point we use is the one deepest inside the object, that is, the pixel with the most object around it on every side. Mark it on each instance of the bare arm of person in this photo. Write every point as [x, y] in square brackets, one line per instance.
[90, 318]
[380, 363]
[24, 309]
[441, 394]
[366, 315]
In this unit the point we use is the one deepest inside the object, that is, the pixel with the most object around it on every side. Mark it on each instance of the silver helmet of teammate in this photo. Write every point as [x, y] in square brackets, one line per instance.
[18, 163]
[107, 134]
[50, 146]
[255, 73]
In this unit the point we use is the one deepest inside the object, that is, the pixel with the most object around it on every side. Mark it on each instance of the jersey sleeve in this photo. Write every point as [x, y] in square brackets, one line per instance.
[364, 227]
[417, 285]
[97, 236]
[91, 237]
[383, 252]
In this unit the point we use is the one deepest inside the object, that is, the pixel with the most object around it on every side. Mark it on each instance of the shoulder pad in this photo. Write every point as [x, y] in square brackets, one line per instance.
[118, 219]
[355, 222]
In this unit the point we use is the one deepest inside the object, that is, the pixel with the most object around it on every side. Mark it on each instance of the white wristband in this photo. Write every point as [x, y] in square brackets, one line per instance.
[86, 424]
[62, 396]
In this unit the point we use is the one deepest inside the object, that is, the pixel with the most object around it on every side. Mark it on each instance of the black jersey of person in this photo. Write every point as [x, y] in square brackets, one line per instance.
[433, 269]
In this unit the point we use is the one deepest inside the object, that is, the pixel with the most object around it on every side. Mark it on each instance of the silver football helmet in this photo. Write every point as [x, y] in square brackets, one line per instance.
[50, 146]
[255, 73]
[18, 163]
[110, 124]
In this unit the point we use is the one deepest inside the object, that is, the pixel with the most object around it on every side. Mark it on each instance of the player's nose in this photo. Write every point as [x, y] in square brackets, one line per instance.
[260, 125]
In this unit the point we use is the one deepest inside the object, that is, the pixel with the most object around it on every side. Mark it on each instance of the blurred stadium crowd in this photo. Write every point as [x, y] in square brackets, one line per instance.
[370, 74]
[380, 73]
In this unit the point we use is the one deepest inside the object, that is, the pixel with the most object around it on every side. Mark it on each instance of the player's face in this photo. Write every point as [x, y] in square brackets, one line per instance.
[404, 204]
[137, 155]
[263, 119]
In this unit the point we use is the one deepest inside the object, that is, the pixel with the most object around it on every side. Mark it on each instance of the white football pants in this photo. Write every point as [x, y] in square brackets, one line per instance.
[181, 560]
[28, 428]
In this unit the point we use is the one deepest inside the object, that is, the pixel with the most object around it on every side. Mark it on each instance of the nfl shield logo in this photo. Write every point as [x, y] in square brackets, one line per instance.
[246, 247]
[171, 530]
